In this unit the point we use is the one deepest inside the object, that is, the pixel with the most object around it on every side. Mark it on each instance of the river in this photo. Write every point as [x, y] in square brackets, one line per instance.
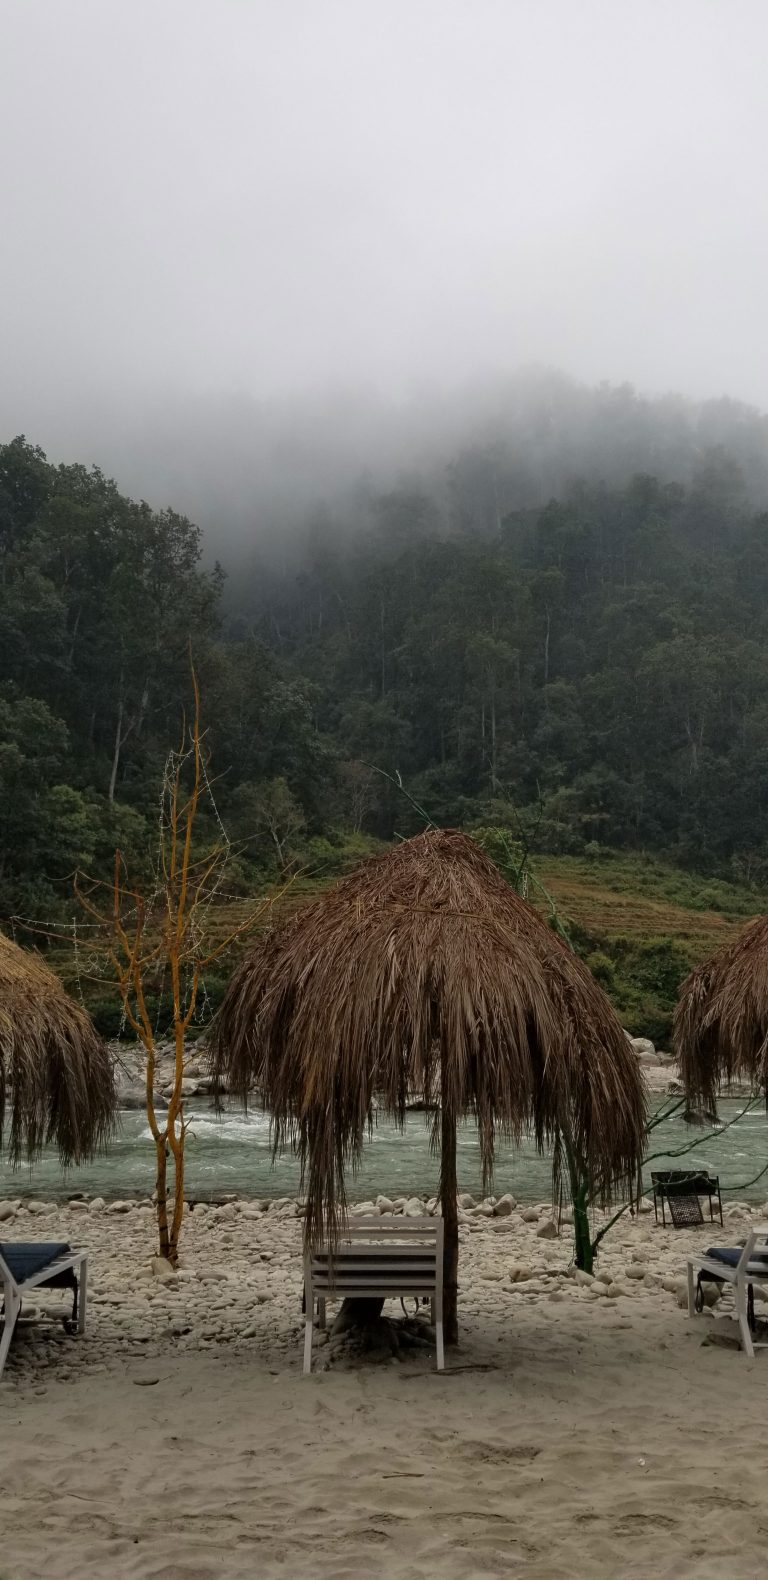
[232, 1154]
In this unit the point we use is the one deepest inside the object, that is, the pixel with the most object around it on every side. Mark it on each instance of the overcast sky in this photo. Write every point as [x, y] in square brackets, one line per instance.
[265, 196]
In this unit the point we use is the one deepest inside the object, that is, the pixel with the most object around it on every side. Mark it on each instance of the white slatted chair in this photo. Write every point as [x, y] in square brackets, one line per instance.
[28, 1266]
[744, 1267]
[389, 1258]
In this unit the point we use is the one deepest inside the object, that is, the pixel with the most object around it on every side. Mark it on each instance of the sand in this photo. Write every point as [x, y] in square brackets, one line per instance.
[577, 1436]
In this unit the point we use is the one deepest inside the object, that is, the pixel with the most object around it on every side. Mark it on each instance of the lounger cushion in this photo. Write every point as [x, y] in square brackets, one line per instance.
[25, 1259]
[731, 1255]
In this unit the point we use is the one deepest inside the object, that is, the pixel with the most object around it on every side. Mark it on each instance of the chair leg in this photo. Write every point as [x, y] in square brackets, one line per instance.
[82, 1294]
[11, 1308]
[691, 1292]
[438, 1314]
[308, 1344]
[740, 1295]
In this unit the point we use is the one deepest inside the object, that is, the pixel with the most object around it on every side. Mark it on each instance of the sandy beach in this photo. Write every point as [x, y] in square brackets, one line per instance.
[575, 1434]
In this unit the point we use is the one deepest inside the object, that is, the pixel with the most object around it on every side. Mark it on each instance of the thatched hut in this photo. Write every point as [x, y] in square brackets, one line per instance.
[56, 1078]
[721, 1020]
[424, 971]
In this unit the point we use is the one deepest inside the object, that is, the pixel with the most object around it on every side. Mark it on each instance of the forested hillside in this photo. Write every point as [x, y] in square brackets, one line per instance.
[594, 669]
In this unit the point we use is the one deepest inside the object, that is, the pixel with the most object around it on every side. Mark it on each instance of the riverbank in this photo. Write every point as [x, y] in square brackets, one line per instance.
[577, 1433]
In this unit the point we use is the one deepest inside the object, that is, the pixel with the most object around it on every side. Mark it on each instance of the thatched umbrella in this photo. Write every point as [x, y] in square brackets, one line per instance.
[721, 1020]
[56, 1076]
[425, 972]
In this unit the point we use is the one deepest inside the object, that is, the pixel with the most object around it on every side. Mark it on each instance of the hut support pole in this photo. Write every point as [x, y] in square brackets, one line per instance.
[450, 1211]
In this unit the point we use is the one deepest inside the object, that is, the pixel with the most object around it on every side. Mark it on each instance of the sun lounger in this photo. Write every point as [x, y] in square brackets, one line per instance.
[42, 1265]
[377, 1258]
[742, 1268]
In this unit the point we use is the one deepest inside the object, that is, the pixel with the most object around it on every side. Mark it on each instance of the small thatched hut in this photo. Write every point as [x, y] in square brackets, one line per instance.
[424, 971]
[56, 1077]
[721, 1020]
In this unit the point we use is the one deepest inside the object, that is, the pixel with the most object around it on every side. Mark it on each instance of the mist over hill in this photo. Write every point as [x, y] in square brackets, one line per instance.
[260, 476]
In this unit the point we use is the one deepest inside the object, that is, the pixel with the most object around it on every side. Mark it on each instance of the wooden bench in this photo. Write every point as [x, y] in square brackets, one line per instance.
[377, 1258]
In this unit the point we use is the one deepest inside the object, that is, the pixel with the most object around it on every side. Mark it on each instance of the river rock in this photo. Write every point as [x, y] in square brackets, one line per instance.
[530, 1215]
[120, 1206]
[504, 1206]
[519, 1274]
[8, 1210]
[547, 1230]
[466, 1201]
[636, 1270]
[40, 1209]
[644, 1048]
[162, 1270]
[98, 1205]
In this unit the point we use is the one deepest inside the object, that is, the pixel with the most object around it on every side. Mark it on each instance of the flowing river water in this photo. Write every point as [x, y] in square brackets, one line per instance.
[233, 1154]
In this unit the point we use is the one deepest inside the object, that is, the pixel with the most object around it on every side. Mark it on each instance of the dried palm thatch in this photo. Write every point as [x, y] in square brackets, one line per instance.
[56, 1075]
[721, 1020]
[424, 972]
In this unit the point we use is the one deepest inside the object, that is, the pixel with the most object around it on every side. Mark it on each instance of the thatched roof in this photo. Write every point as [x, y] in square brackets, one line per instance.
[56, 1077]
[721, 1020]
[425, 971]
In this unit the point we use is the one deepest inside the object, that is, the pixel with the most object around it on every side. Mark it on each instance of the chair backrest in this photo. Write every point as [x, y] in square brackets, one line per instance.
[684, 1208]
[755, 1252]
[381, 1256]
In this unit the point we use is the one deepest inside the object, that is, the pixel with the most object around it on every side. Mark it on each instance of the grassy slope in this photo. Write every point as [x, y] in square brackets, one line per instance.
[640, 924]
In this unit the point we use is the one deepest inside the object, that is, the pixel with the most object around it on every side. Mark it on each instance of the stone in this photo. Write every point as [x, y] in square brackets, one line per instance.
[227, 1212]
[98, 1205]
[519, 1274]
[8, 1210]
[188, 1088]
[504, 1206]
[644, 1047]
[120, 1206]
[466, 1201]
[384, 1204]
[547, 1230]
[583, 1277]
[711, 1294]
[616, 1290]
[77, 1205]
[530, 1215]
[162, 1270]
[636, 1270]
[40, 1208]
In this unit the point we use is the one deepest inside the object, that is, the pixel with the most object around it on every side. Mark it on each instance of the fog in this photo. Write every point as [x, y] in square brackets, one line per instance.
[249, 249]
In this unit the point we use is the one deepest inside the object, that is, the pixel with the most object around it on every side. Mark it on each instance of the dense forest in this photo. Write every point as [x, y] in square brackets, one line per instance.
[593, 669]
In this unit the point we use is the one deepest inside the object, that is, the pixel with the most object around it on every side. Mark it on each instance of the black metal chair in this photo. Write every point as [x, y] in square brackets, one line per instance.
[678, 1189]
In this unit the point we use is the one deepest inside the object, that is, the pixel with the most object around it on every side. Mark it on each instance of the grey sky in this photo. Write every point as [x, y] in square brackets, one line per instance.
[267, 196]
